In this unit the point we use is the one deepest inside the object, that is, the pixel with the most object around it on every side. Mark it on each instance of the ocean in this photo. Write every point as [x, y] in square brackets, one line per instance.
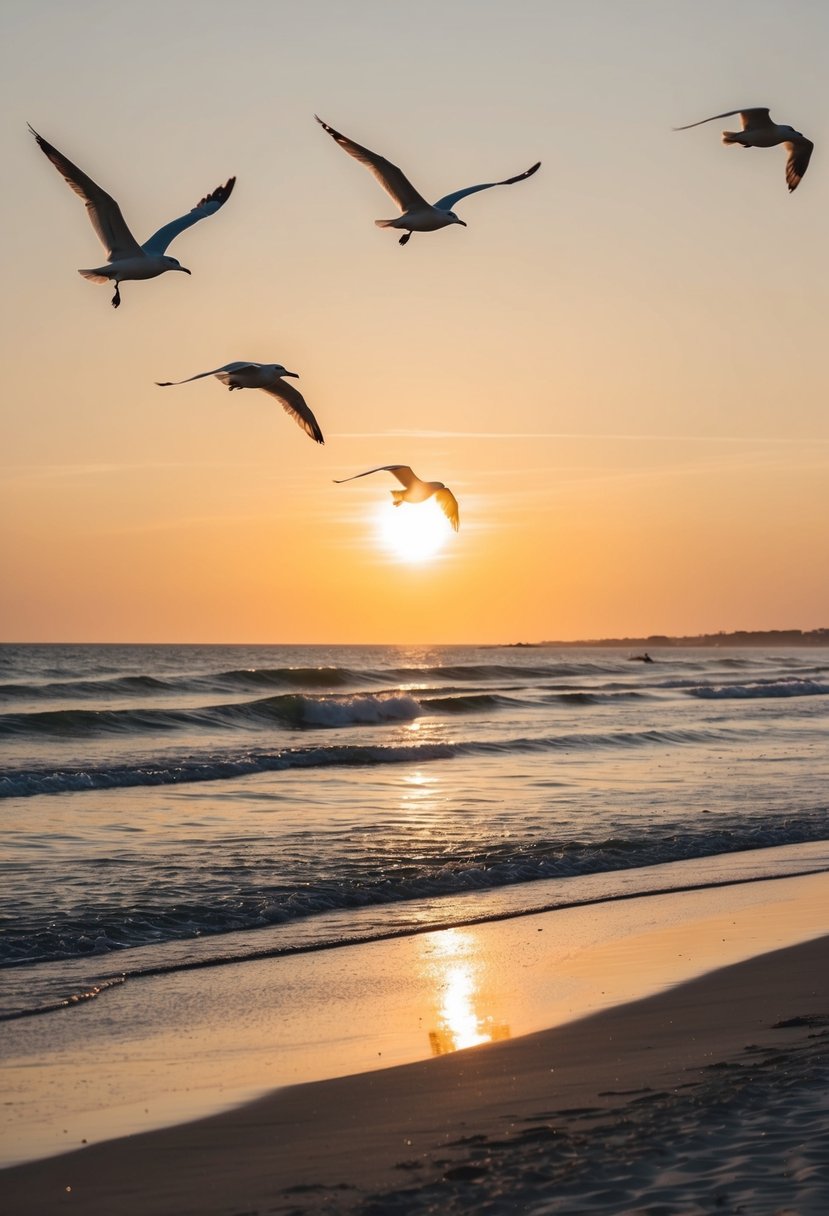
[169, 807]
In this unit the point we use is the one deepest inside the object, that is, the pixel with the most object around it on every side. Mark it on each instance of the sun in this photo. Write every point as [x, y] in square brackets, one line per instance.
[413, 532]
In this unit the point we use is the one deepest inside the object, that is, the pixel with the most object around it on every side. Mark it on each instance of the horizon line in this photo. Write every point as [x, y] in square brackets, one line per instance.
[652, 638]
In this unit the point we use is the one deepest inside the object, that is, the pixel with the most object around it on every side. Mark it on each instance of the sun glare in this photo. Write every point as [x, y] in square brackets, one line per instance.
[413, 532]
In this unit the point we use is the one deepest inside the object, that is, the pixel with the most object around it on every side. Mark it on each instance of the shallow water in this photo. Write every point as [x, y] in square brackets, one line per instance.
[172, 1047]
[167, 801]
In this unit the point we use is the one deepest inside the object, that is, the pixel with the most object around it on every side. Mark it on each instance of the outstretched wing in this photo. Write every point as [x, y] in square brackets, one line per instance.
[800, 151]
[221, 372]
[448, 201]
[102, 209]
[209, 205]
[448, 504]
[293, 403]
[392, 179]
[401, 471]
[750, 120]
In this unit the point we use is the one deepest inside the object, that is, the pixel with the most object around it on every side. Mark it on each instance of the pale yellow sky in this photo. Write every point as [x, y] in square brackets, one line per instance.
[618, 367]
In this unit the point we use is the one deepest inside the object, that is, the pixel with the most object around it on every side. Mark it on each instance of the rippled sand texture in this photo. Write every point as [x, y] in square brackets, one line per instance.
[751, 1136]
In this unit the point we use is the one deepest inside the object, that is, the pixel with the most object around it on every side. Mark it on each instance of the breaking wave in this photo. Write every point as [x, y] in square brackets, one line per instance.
[289, 710]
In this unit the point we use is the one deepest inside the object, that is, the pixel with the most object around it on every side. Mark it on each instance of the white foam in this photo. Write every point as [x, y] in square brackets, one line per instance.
[367, 709]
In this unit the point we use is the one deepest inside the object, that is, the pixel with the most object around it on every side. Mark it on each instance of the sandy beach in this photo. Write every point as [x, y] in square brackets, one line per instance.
[708, 1096]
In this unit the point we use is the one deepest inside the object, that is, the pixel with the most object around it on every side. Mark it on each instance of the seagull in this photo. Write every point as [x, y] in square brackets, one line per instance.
[418, 215]
[758, 131]
[128, 259]
[416, 490]
[267, 376]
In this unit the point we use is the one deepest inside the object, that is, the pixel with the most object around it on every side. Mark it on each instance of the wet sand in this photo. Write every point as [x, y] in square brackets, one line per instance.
[708, 1097]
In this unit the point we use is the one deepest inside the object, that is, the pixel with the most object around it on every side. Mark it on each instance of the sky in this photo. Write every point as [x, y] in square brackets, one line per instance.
[618, 367]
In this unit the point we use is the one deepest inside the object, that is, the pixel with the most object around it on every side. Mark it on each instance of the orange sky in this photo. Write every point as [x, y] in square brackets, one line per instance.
[618, 367]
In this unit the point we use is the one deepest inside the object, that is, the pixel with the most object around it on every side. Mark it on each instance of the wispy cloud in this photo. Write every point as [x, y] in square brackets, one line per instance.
[35, 473]
[806, 440]
[88, 470]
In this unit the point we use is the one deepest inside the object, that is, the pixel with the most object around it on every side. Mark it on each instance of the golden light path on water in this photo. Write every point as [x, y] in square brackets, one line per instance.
[413, 532]
[458, 977]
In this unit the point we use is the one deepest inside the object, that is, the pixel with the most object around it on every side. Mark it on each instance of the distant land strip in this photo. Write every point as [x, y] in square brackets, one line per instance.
[739, 637]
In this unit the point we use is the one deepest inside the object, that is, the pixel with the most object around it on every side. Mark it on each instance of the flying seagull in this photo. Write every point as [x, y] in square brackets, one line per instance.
[267, 376]
[758, 131]
[418, 215]
[128, 259]
[416, 490]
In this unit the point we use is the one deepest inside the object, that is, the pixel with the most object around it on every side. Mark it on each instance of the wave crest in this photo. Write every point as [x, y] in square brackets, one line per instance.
[791, 687]
[93, 932]
[23, 783]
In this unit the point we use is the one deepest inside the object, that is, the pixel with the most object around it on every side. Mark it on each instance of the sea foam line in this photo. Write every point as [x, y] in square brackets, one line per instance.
[90, 932]
[106, 983]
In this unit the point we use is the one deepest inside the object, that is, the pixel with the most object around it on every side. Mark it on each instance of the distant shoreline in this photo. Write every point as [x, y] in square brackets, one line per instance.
[741, 637]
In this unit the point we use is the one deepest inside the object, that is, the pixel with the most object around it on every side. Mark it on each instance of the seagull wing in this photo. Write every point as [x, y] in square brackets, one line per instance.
[293, 403]
[221, 372]
[392, 179]
[103, 211]
[800, 151]
[401, 471]
[755, 120]
[750, 120]
[209, 205]
[231, 369]
[448, 201]
[448, 504]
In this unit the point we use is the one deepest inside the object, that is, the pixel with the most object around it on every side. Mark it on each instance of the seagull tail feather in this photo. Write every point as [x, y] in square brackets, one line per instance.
[94, 276]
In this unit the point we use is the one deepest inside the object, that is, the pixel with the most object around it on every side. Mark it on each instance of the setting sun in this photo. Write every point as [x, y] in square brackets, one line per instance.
[413, 532]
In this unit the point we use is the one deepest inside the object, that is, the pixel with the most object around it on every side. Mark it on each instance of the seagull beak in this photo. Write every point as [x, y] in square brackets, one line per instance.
[183, 269]
[294, 374]
[462, 223]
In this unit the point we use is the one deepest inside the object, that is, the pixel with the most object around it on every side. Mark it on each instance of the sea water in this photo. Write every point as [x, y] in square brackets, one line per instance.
[165, 807]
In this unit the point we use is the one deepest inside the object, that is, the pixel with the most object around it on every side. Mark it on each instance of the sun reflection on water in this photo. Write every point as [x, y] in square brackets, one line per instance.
[457, 977]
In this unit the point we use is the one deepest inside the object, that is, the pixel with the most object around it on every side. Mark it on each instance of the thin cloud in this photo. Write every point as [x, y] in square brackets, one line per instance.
[632, 438]
[27, 473]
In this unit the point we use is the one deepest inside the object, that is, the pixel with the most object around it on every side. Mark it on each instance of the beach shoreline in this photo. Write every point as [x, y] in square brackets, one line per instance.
[460, 1129]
